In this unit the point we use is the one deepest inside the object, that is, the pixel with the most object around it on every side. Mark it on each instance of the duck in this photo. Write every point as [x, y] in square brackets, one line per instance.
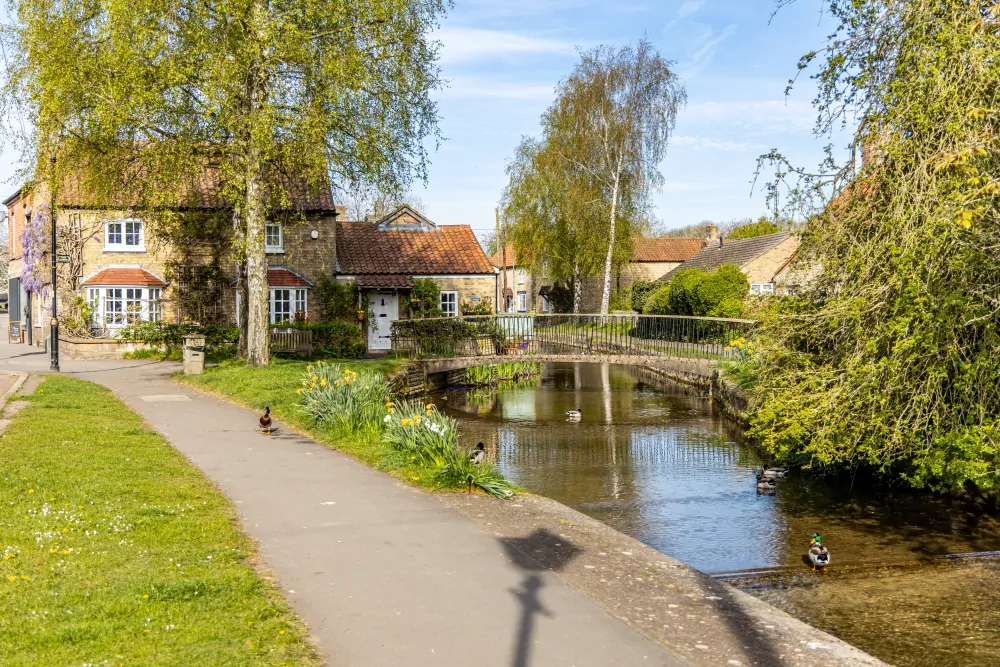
[775, 473]
[766, 484]
[818, 554]
[478, 455]
[575, 414]
[265, 421]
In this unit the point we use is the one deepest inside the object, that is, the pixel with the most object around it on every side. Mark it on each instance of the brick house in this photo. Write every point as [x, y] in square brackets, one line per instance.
[763, 259]
[651, 258]
[128, 266]
[118, 260]
[385, 257]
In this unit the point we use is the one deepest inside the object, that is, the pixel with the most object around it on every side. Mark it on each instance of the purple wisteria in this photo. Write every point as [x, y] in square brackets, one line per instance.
[33, 247]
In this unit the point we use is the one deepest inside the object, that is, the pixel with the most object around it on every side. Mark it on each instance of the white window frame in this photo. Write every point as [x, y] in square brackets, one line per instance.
[522, 302]
[122, 235]
[545, 303]
[762, 289]
[449, 303]
[270, 247]
[114, 306]
[520, 276]
[295, 297]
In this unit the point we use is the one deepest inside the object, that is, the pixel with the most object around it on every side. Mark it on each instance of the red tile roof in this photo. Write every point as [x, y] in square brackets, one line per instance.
[286, 278]
[384, 280]
[665, 250]
[448, 249]
[126, 278]
[511, 258]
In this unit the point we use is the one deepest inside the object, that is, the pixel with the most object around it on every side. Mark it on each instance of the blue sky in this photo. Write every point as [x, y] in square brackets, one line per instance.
[504, 58]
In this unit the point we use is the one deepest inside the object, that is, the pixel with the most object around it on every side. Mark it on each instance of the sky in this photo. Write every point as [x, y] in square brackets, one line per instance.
[503, 58]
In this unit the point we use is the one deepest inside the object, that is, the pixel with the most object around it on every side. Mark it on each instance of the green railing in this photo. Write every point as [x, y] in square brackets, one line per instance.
[569, 335]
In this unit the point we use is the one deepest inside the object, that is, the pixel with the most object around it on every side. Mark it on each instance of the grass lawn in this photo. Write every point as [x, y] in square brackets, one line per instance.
[274, 386]
[117, 551]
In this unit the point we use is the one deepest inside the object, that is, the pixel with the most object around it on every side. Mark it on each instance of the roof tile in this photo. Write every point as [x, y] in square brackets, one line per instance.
[126, 277]
[449, 249]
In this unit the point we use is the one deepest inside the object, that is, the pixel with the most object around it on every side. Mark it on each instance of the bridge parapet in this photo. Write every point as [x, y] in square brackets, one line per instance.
[565, 336]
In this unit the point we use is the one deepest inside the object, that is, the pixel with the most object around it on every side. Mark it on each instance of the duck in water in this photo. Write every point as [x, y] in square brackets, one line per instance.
[818, 554]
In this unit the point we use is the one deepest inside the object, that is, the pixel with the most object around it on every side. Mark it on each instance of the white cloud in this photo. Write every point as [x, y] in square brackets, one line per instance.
[761, 116]
[706, 49]
[461, 44]
[685, 10]
[715, 144]
[477, 87]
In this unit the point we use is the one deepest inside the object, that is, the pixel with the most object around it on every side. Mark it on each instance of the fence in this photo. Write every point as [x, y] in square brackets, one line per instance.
[620, 335]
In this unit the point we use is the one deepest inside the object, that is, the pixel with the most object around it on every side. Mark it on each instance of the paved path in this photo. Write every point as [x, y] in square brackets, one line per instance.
[383, 574]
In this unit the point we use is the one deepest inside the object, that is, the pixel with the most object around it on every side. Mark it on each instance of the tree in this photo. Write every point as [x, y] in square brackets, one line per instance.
[368, 202]
[616, 112]
[748, 230]
[887, 360]
[143, 95]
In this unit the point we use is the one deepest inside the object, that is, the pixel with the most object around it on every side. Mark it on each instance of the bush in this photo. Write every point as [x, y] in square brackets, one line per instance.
[431, 439]
[339, 301]
[658, 302]
[425, 299]
[335, 340]
[165, 334]
[721, 293]
[354, 401]
[683, 288]
[641, 290]
[761, 227]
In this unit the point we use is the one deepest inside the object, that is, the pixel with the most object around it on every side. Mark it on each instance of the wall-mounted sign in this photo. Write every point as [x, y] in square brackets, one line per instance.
[474, 299]
[62, 259]
[14, 331]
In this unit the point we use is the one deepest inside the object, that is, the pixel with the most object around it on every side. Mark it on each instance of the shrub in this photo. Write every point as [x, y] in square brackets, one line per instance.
[335, 395]
[425, 299]
[431, 439]
[165, 334]
[683, 288]
[761, 227]
[721, 293]
[338, 300]
[336, 340]
[484, 307]
[641, 290]
[658, 302]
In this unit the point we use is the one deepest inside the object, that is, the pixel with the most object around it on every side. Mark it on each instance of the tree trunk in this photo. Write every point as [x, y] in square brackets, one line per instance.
[258, 327]
[239, 254]
[577, 290]
[606, 293]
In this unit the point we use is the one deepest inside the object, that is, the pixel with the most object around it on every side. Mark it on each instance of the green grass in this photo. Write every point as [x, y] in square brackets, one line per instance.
[117, 551]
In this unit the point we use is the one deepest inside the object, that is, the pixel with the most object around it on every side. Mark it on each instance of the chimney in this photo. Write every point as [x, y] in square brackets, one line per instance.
[713, 232]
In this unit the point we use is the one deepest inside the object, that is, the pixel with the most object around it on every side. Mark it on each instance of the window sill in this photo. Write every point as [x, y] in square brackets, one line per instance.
[124, 249]
[274, 251]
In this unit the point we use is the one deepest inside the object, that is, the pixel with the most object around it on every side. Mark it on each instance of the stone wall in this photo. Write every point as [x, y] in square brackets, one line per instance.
[484, 287]
[764, 268]
[98, 348]
[633, 271]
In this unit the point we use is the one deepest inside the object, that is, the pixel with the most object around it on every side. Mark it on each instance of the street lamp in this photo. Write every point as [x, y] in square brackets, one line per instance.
[54, 324]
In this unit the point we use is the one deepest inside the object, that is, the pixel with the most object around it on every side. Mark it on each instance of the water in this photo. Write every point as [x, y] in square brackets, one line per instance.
[664, 466]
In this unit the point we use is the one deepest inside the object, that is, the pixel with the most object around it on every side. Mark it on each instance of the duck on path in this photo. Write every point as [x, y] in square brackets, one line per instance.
[265, 421]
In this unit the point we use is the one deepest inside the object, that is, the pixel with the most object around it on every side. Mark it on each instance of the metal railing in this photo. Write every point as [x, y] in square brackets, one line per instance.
[569, 335]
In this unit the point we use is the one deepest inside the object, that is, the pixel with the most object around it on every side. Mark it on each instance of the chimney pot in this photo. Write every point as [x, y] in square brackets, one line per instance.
[713, 232]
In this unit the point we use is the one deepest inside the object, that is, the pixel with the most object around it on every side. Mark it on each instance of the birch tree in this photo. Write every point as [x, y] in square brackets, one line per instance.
[141, 96]
[614, 115]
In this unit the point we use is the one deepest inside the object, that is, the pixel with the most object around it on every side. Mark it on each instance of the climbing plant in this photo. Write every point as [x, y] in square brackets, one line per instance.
[33, 249]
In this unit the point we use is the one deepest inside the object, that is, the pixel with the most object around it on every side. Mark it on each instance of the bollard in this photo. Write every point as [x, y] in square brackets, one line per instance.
[194, 354]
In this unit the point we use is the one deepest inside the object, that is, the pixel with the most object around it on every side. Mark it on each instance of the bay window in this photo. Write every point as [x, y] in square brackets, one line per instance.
[115, 307]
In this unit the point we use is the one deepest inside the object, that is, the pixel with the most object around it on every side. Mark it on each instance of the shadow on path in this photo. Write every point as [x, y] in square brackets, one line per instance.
[535, 553]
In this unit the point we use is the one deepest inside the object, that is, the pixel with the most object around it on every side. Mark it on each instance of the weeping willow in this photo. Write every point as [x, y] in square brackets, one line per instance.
[890, 359]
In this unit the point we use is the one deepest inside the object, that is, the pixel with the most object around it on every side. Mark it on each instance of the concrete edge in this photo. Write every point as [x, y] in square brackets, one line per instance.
[18, 382]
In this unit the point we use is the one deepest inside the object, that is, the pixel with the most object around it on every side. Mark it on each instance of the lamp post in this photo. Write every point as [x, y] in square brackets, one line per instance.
[54, 324]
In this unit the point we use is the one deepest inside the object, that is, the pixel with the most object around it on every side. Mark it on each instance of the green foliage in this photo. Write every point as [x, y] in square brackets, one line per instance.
[621, 299]
[430, 438]
[443, 335]
[761, 227]
[888, 359]
[335, 340]
[167, 334]
[720, 293]
[483, 307]
[641, 290]
[338, 300]
[694, 292]
[425, 299]
[561, 298]
[506, 372]
[79, 321]
[352, 400]
[743, 367]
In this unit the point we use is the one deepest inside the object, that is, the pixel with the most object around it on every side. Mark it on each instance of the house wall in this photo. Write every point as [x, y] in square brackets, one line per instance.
[593, 287]
[530, 286]
[482, 286]
[763, 268]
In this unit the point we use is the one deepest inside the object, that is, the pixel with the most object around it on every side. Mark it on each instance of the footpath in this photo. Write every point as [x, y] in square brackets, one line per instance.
[384, 574]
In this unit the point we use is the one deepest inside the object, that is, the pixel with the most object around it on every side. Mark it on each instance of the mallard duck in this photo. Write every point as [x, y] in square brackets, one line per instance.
[575, 414]
[765, 484]
[818, 554]
[265, 421]
[774, 473]
[478, 454]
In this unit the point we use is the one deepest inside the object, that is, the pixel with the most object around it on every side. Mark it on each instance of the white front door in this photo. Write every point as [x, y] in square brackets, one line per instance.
[385, 307]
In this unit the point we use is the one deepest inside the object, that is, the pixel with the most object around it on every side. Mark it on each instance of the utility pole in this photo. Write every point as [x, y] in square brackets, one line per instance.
[54, 324]
[502, 254]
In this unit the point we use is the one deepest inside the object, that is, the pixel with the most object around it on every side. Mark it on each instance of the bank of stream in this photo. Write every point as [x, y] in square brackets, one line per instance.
[663, 465]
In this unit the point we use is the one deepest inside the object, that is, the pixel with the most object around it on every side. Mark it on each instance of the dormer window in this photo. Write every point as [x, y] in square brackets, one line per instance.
[124, 235]
[274, 240]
